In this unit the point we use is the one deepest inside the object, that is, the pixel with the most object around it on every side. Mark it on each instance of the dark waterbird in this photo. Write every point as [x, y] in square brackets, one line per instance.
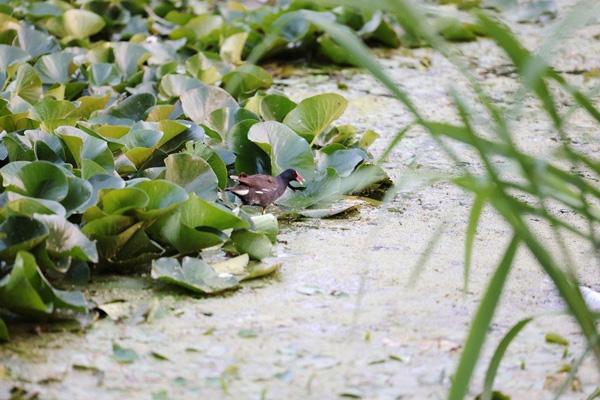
[263, 190]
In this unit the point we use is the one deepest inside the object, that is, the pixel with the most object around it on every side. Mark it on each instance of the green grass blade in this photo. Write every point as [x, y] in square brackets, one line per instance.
[490, 375]
[417, 269]
[474, 217]
[481, 323]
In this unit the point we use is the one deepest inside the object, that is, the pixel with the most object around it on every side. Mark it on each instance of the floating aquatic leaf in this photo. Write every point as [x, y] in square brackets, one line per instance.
[312, 115]
[123, 355]
[192, 274]
[286, 148]
[81, 24]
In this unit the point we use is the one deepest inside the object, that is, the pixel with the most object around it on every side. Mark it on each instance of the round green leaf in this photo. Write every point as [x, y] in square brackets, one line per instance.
[81, 24]
[163, 197]
[192, 173]
[39, 179]
[312, 115]
[65, 239]
[20, 233]
[118, 201]
[286, 148]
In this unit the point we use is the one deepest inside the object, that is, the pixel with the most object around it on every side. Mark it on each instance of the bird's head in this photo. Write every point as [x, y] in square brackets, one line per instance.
[291, 175]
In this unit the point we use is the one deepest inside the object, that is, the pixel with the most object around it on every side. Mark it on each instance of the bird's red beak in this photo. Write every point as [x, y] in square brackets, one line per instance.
[299, 178]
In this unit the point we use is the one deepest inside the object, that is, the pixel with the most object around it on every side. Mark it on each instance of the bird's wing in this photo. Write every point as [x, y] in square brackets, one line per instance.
[258, 181]
[240, 190]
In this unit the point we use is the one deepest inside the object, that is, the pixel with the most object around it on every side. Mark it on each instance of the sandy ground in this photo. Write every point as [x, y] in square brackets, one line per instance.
[339, 319]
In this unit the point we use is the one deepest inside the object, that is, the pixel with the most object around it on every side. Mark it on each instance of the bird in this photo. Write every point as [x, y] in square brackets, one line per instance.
[263, 190]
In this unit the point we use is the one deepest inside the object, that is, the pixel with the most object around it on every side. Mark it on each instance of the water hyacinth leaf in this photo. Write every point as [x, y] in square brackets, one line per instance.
[128, 56]
[343, 160]
[322, 189]
[50, 109]
[163, 197]
[65, 239]
[232, 48]
[200, 27]
[200, 103]
[81, 24]
[257, 245]
[139, 156]
[18, 148]
[192, 173]
[285, 147]
[28, 84]
[312, 115]
[27, 206]
[212, 157]
[36, 43]
[54, 68]
[134, 107]
[20, 233]
[246, 80]
[267, 224]
[275, 107]
[250, 158]
[10, 55]
[86, 148]
[46, 146]
[173, 85]
[39, 179]
[102, 74]
[19, 290]
[234, 266]
[197, 212]
[169, 229]
[192, 274]
[119, 201]
[140, 136]
[86, 105]
[80, 192]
